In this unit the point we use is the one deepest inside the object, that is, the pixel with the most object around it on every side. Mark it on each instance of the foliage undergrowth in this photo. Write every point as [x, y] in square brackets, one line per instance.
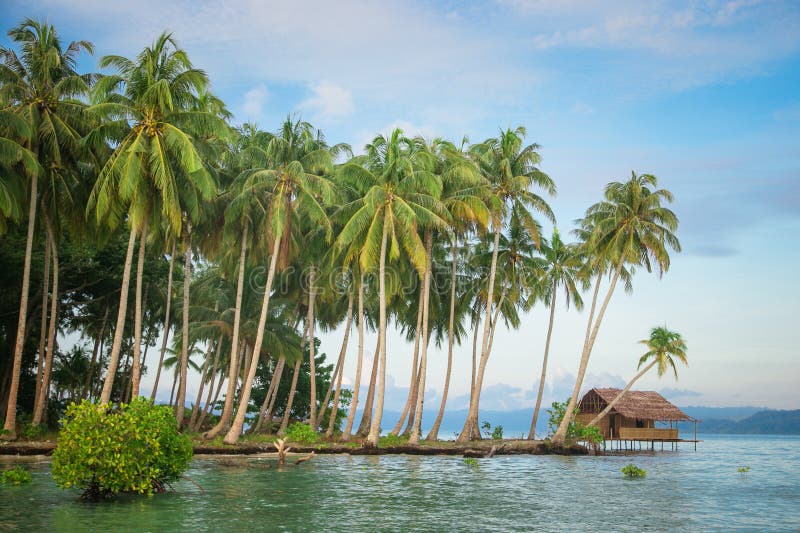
[301, 433]
[494, 433]
[575, 431]
[391, 441]
[16, 476]
[133, 448]
[631, 471]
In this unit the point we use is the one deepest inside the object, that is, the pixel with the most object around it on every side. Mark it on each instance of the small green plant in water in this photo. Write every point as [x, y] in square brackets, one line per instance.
[471, 462]
[301, 433]
[743, 471]
[16, 476]
[631, 471]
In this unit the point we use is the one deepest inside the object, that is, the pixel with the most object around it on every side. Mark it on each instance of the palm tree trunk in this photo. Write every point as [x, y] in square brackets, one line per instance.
[98, 341]
[434, 432]
[269, 397]
[227, 409]
[44, 386]
[202, 415]
[342, 353]
[292, 389]
[10, 425]
[411, 398]
[532, 433]
[43, 326]
[274, 398]
[311, 349]
[357, 385]
[167, 327]
[475, 330]
[375, 427]
[366, 417]
[203, 378]
[561, 433]
[136, 371]
[619, 396]
[119, 329]
[180, 400]
[423, 363]
[126, 381]
[471, 424]
[209, 404]
[174, 384]
[238, 423]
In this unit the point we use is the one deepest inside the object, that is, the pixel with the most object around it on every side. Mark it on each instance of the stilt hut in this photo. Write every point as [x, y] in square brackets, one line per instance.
[634, 416]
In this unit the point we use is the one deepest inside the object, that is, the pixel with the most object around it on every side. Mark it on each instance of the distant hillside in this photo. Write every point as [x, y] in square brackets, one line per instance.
[721, 413]
[761, 423]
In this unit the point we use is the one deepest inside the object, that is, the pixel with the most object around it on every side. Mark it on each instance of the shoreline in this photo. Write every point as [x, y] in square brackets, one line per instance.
[470, 449]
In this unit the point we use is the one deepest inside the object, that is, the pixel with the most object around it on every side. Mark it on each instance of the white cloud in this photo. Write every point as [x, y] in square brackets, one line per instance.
[329, 100]
[254, 100]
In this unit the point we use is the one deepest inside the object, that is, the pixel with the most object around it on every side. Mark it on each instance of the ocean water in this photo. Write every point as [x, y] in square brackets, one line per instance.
[683, 491]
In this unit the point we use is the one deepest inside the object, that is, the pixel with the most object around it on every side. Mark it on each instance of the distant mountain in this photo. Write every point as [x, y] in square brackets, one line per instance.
[721, 413]
[761, 423]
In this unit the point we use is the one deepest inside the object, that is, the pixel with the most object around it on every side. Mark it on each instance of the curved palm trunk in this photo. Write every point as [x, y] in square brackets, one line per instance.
[119, 329]
[311, 349]
[238, 422]
[180, 400]
[532, 433]
[227, 409]
[204, 376]
[209, 405]
[423, 363]
[340, 365]
[471, 424]
[375, 426]
[412, 385]
[10, 424]
[269, 397]
[44, 386]
[167, 327]
[136, 370]
[366, 417]
[561, 433]
[202, 412]
[290, 400]
[475, 331]
[434, 432]
[619, 396]
[98, 342]
[357, 385]
[43, 326]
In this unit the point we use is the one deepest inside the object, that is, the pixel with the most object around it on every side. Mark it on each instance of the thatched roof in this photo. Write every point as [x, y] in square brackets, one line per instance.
[644, 405]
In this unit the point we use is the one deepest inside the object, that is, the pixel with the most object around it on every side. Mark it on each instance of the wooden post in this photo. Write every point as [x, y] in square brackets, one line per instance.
[695, 435]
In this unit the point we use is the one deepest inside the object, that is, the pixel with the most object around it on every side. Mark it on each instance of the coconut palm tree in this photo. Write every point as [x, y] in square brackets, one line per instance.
[563, 263]
[148, 110]
[663, 345]
[400, 199]
[297, 161]
[630, 227]
[511, 171]
[40, 94]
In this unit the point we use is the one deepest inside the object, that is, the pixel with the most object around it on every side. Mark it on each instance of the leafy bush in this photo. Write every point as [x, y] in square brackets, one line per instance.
[590, 434]
[631, 471]
[391, 441]
[31, 432]
[133, 448]
[472, 462]
[301, 433]
[495, 433]
[16, 476]
[575, 431]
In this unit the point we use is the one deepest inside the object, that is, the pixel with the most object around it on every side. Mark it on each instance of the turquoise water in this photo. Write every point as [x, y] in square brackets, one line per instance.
[684, 490]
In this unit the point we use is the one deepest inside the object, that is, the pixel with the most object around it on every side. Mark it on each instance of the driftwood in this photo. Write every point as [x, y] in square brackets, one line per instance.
[304, 459]
[478, 454]
[280, 445]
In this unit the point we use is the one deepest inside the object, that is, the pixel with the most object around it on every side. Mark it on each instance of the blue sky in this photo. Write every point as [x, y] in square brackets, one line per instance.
[704, 94]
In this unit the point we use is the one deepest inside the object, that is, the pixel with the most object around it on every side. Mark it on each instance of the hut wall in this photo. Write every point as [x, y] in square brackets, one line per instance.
[602, 424]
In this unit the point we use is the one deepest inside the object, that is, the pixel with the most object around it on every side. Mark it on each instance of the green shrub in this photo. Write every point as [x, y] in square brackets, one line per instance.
[495, 433]
[631, 471]
[301, 433]
[392, 441]
[133, 448]
[590, 434]
[31, 432]
[16, 476]
[471, 461]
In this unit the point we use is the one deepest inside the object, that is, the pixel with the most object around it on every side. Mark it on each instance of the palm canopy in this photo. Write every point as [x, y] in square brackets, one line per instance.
[151, 110]
[562, 264]
[664, 347]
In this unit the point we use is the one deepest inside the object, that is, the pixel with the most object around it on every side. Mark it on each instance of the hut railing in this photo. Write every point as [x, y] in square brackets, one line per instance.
[648, 433]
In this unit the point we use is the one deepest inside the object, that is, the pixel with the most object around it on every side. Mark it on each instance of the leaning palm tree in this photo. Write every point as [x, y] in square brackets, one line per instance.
[296, 163]
[400, 199]
[511, 171]
[630, 227]
[663, 345]
[39, 96]
[148, 111]
[562, 266]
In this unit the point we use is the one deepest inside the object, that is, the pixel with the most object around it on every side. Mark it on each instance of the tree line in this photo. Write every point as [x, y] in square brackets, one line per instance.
[133, 209]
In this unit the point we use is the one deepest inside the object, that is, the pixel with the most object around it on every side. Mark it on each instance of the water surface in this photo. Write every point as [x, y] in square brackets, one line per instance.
[684, 490]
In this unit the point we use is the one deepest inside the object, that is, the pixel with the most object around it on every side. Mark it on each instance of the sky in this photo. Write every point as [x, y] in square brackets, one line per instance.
[704, 94]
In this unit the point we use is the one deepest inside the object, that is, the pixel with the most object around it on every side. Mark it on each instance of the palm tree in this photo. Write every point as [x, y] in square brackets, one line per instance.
[39, 94]
[297, 161]
[629, 227]
[511, 171]
[399, 200]
[662, 345]
[563, 263]
[150, 114]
